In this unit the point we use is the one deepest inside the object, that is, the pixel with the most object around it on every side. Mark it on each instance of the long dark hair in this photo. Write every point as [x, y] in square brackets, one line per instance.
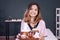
[27, 17]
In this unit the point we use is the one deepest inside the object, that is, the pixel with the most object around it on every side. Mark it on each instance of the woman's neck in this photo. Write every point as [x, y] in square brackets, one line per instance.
[32, 19]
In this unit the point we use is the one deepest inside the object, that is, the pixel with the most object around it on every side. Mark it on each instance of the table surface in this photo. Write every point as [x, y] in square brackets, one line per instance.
[50, 35]
[13, 20]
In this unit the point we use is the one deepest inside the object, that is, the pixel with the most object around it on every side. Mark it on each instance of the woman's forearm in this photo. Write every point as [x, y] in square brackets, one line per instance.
[41, 37]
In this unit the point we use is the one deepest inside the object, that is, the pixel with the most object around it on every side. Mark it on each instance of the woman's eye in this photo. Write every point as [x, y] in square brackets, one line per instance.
[30, 8]
[35, 9]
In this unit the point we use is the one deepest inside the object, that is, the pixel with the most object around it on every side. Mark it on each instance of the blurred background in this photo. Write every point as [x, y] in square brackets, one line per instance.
[16, 8]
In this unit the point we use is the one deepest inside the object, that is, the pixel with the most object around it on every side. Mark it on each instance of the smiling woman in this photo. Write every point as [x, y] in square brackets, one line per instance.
[33, 22]
[33, 11]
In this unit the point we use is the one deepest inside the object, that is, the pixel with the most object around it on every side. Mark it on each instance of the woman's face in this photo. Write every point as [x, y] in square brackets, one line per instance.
[33, 11]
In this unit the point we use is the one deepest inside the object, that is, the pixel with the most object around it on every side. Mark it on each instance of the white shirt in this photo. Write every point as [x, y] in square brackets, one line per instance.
[41, 27]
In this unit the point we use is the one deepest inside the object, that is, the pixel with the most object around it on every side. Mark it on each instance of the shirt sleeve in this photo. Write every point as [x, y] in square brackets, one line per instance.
[24, 27]
[42, 28]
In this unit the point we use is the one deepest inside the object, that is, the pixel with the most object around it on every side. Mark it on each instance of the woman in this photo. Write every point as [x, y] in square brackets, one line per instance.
[33, 21]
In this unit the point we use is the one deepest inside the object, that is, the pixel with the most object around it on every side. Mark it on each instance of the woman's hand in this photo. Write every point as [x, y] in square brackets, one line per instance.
[35, 30]
[41, 37]
[18, 35]
[24, 33]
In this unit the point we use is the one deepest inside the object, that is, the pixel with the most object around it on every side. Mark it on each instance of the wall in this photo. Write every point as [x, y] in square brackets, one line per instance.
[16, 9]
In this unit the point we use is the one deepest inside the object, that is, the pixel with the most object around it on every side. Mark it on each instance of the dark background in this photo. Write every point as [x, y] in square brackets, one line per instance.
[16, 9]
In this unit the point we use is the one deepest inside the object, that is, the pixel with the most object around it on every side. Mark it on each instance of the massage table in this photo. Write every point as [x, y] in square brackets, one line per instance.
[50, 35]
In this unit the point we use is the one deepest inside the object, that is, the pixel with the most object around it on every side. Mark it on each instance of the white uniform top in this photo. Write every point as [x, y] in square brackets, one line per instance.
[41, 27]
